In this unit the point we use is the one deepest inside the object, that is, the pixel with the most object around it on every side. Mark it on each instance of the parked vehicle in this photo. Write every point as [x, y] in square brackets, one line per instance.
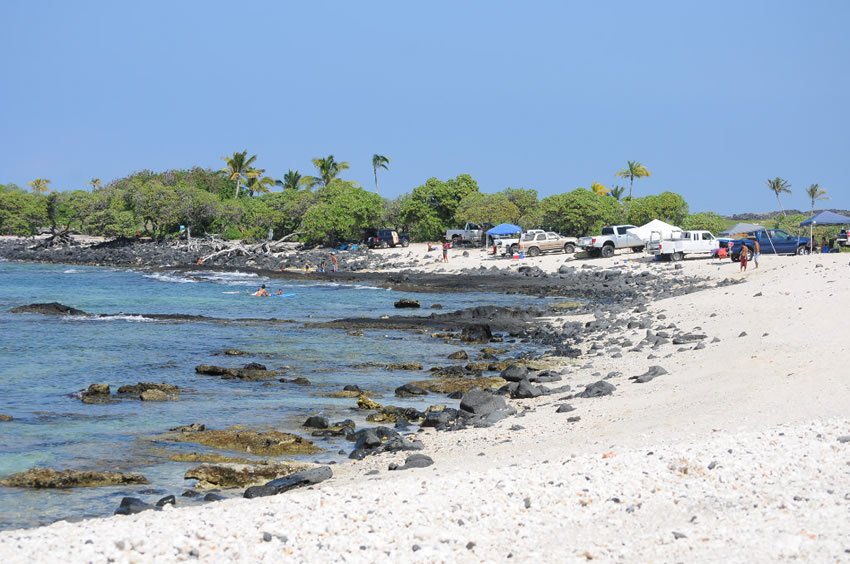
[681, 243]
[472, 233]
[771, 241]
[538, 241]
[613, 237]
[383, 238]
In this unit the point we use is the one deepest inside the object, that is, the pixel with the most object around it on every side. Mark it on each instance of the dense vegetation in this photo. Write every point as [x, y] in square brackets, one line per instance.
[241, 201]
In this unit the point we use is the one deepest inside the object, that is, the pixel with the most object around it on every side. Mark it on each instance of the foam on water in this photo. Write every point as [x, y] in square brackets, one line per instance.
[169, 278]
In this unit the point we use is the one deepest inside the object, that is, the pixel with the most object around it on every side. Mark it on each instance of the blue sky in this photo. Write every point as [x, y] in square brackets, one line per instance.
[712, 97]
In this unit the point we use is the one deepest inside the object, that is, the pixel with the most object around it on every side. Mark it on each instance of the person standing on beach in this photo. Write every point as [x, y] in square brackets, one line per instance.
[745, 255]
[334, 263]
[756, 252]
[445, 251]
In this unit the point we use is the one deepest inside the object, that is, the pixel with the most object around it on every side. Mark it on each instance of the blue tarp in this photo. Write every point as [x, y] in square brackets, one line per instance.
[827, 218]
[505, 229]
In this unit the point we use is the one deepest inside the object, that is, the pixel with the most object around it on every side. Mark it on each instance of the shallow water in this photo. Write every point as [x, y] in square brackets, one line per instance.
[45, 360]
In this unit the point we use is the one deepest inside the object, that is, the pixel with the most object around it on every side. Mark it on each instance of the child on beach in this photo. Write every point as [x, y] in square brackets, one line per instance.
[745, 255]
[322, 267]
[445, 251]
[334, 263]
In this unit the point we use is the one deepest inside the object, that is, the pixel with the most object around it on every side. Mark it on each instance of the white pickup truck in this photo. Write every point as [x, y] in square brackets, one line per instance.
[471, 233]
[681, 243]
[613, 237]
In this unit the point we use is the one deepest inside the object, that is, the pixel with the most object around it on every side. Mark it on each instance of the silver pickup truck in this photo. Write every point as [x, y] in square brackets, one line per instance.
[613, 237]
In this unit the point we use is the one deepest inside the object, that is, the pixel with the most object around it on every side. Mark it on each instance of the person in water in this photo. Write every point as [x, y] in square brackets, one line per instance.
[279, 292]
[261, 292]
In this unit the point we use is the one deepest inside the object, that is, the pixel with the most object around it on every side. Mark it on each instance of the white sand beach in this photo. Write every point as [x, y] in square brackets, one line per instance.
[733, 455]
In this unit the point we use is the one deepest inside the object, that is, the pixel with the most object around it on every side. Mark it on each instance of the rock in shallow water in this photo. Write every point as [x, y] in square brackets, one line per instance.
[240, 475]
[52, 308]
[240, 439]
[43, 478]
[406, 303]
[133, 505]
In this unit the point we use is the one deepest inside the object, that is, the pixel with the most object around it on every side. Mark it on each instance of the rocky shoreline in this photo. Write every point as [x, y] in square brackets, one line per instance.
[607, 414]
[616, 301]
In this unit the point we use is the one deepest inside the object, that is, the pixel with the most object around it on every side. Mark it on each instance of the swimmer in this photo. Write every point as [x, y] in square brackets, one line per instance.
[261, 292]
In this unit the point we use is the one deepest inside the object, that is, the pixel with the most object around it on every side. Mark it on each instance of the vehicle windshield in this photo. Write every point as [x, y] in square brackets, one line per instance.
[607, 230]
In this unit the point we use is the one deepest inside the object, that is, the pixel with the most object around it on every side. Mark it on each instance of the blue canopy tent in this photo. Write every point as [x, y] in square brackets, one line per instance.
[824, 218]
[505, 229]
[827, 218]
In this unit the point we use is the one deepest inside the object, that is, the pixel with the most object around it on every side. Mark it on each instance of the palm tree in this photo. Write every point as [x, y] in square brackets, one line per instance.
[633, 170]
[292, 180]
[616, 192]
[39, 185]
[598, 188]
[259, 184]
[239, 168]
[815, 193]
[378, 161]
[779, 186]
[95, 184]
[328, 169]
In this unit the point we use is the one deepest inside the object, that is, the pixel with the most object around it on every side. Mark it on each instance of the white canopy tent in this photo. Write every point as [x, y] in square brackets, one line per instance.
[644, 231]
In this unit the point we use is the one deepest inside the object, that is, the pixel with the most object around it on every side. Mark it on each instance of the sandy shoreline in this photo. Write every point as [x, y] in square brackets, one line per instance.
[776, 397]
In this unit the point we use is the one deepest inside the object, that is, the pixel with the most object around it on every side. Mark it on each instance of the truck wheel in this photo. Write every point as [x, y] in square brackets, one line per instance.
[608, 251]
[533, 252]
[735, 257]
[456, 241]
[569, 248]
[384, 244]
[803, 250]
[513, 249]
[405, 243]
[677, 256]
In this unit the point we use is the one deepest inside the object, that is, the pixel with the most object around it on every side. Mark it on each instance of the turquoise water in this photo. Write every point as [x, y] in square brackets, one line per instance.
[45, 360]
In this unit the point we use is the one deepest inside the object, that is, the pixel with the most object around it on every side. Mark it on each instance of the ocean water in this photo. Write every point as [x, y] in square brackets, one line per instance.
[45, 360]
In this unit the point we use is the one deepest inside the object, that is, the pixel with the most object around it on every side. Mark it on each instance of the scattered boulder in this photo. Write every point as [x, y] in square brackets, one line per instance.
[133, 505]
[565, 408]
[651, 374]
[191, 428]
[316, 422]
[364, 402]
[4, 418]
[483, 409]
[476, 333]
[240, 439]
[406, 303]
[235, 352]
[167, 500]
[413, 461]
[410, 390]
[48, 478]
[213, 497]
[515, 373]
[459, 355]
[524, 390]
[298, 479]
[240, 475]
[597, 389]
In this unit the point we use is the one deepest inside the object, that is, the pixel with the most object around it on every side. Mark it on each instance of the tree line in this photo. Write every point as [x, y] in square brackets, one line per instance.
[241, 201]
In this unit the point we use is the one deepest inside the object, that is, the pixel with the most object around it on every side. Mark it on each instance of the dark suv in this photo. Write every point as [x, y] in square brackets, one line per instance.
[384, 238]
